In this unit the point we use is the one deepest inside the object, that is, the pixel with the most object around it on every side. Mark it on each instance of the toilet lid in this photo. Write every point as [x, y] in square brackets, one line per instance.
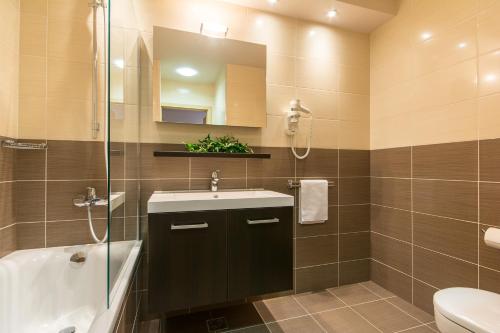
[474, 309]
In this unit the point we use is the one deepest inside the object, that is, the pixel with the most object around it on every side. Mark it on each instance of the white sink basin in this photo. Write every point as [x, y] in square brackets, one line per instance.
[162, 202]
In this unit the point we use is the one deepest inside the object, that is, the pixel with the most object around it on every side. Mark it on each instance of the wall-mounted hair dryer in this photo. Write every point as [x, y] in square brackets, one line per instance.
[292, 124]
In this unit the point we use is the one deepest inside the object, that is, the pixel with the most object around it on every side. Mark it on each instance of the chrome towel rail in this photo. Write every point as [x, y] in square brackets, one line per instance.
[12, 144]
[296, 184]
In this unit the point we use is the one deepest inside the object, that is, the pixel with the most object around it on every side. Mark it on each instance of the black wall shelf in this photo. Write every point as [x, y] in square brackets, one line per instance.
[169, 153]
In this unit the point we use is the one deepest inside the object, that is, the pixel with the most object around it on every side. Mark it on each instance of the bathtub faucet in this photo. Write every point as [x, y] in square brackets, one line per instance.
[91, 199]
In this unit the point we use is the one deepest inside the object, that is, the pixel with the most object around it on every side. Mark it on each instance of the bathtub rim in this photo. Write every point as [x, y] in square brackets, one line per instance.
[107, 318]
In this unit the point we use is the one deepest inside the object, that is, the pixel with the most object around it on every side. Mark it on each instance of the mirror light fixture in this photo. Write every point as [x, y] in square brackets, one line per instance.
[214, 30]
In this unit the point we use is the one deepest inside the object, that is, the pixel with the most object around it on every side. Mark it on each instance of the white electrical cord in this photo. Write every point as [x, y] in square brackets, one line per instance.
[309, 138]
[91, 226]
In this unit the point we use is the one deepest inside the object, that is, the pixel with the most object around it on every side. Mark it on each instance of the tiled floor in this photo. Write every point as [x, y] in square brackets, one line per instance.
[364, 308]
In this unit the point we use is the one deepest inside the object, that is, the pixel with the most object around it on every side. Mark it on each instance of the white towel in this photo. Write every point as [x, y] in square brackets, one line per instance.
[313, 201]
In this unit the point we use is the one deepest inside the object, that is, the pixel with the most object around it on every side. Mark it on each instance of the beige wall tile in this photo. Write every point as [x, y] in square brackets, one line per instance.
[324, 103]
[33, 35]
[278, 99]
[280, 70]
[316, 73]
[488, 29]
[489, 73]
[38, 7]
[353, 107]
[32, 117]
[449, 123]
[489, 117]
[70, 40]
[354, 135]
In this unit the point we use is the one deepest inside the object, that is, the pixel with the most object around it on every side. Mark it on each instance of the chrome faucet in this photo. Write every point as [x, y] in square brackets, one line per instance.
[215, 181]
[91, 199]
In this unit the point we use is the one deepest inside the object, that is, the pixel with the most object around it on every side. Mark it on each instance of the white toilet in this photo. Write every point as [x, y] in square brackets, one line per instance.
[465, 310]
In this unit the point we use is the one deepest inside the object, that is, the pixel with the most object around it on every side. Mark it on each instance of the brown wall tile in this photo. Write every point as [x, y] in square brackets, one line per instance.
[354, 191]
[446, 161]
[423, 296]
[7, 158]
[60, 195]
[391, 279]
[320, 163]
[354, 246]
[30, 235]
[68, 233]
[391, 252]
[316, 250]
[327, 228]
[229, 167]
[132, 160]
[489, 203]
[29, 164]
[224, 184]
[455, 199]
[489, 157]
[391, 192]
[132, 197]
[161, 167]
[7, 215]
[316, 278]
[393, 162]
[117, 160]
[489, 280]
[281, 163]
[354, 271]
[72, 160]
[354, 163]
[452, 237]
[29, 201]
[7, 240]
[488, 256]
[442, 271]
[354, 218]
[391, 222]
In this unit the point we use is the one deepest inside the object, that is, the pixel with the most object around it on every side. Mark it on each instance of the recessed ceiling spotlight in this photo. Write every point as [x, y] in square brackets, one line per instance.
[272, 2]
[462, 45]
[186, 71]
[331, 13]
[425, 35]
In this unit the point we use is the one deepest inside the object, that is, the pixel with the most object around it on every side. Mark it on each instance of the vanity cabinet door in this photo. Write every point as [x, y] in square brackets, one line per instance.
[260, 251]
[187, 260]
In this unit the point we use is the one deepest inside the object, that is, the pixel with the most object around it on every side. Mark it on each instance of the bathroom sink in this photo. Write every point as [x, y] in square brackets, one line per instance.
[162, 202]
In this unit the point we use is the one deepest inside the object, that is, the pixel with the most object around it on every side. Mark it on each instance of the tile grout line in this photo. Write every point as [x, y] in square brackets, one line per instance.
[400, 309]
[355, 311]
[412, 228]
[310, 315]
[338, 215]
[406, 274]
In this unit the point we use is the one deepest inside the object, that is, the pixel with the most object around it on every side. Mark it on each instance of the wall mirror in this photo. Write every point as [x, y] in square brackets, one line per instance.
[208, 81]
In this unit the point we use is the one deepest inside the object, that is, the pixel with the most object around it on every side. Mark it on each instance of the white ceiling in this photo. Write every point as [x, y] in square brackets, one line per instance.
[357, 15]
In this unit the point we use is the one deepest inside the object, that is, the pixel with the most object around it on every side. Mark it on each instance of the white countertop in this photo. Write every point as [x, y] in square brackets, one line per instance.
[162, 202]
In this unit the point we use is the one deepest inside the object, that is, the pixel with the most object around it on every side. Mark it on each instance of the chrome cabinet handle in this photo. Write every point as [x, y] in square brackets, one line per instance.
[189, 226]
[274, 220]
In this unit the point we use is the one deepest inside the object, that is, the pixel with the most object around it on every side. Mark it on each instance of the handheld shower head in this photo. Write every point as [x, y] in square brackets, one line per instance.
[295, 106]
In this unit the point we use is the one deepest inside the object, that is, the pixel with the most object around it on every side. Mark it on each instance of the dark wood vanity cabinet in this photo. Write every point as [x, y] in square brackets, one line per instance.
[212, 257]
[187, 260]
[260, 249]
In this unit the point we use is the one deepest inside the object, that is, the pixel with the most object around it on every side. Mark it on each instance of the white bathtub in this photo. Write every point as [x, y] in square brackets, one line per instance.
[41, 291]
